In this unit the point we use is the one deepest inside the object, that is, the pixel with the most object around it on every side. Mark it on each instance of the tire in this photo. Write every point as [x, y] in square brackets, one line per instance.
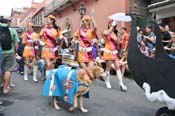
[164, 111]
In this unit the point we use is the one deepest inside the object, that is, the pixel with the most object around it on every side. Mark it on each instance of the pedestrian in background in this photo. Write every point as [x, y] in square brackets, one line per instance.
[9, 42]
[19, 55]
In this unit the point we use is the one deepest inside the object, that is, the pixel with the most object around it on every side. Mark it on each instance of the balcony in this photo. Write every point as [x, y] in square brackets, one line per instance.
[157, 3]
[58, 5]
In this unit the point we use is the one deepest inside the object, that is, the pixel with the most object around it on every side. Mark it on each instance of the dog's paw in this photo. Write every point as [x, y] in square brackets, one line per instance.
[57, 107]
[84, 110]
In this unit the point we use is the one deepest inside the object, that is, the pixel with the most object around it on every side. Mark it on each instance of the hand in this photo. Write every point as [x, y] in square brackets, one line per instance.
[30, 41]
[41, 43]
[114, 23]
[94, 41]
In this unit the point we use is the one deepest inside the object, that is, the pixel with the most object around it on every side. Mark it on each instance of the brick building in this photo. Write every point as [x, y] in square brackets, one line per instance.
[27, 15]
[68, 10]
[15, 14]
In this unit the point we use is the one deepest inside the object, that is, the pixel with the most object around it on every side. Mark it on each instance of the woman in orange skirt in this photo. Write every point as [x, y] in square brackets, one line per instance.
[86, 36]
[49, 35]
[110, 54]
[29, 39]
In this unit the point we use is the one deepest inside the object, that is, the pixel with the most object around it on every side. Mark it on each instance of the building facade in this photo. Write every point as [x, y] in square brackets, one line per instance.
[163, 11]
[67, 11]
[27, 15]
[15, 16]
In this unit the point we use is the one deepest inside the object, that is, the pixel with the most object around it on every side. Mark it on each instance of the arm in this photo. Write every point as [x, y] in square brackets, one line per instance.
[106, 32]
[16, 40]
[94, 23]
[151, 39]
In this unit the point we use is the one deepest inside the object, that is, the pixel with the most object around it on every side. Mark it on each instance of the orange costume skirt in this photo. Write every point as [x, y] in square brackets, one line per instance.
[49, 53]
[110, 54]
[29, 51]
[85, 54]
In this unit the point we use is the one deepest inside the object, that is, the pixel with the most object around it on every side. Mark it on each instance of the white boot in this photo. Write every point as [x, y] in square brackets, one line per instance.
[122, 86]
[35, 69]
[107, 81]
[25, 73]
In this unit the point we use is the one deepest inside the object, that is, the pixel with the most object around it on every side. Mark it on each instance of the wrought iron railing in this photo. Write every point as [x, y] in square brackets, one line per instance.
[55, 4]
[156, 1]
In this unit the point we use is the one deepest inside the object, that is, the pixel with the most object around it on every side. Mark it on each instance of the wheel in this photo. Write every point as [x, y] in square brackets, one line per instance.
[164, 111]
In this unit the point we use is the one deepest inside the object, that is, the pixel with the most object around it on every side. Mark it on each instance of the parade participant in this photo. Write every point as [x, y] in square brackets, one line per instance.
[49, 35]
[110, 54]
[29, 39]
[86, 36]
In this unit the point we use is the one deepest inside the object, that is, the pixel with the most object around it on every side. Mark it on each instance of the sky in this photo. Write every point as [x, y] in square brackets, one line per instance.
[7, 5]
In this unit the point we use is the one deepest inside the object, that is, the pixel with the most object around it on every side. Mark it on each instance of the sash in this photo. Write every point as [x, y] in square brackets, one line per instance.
[113, 41]
[85, 43]
[29, 37]
[53, 41]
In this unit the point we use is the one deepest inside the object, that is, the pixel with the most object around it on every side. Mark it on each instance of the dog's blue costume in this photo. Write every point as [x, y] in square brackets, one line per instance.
[54, 85]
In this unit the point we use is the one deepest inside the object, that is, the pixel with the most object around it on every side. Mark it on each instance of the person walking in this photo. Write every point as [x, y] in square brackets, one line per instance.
[111, 55]
[86, 36]
[9, 43]
[49, 35]
[29, 39]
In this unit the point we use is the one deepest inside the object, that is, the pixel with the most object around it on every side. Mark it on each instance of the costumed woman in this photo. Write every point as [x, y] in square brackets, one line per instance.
[86, 36]
[30, 40]
[110, 54]
[49, 35]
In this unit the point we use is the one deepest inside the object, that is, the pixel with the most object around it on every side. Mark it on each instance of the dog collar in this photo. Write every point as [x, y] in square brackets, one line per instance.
[90, 77]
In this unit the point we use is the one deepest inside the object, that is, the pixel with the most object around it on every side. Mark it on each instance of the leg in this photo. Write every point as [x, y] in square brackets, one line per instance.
[35, 69]
[11, 83]
[21, 66]
[119, 75]
[54, 103]
[47, 66]
[7, 77]
[74, 104]
[81, 104]
[108, 67]
[122, 67]
[82, 65]
[26, 66]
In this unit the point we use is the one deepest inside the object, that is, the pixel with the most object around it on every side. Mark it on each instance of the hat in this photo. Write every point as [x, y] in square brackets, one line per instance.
[5, 18]
[86, 17]
[51, 16]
